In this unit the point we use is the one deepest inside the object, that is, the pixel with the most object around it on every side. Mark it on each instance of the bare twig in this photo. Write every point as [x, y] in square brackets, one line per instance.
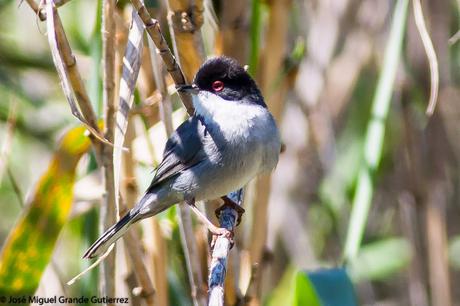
[153, 29]
[34, 6]
[41, 12]
[430, 53]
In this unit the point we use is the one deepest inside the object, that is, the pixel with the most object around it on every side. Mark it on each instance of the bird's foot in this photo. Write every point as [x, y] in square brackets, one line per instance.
[229, 203]
[221, 232]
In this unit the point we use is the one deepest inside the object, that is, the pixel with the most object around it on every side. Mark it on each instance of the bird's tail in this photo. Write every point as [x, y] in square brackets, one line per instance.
[111, 235]
[148, 206]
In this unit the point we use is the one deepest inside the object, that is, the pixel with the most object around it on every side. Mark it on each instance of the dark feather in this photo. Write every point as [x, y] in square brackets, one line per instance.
[183, 150]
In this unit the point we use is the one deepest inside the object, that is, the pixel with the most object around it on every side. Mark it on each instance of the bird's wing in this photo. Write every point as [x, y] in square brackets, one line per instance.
[183, 150]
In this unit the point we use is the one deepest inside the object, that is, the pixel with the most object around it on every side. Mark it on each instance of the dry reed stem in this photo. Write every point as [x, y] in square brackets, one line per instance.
[109, 211]
[233, 37]
[430, 53]
[130, 71]
[157, 247]
[185, 21]
[153, 29]
[437, 245]
[148, 293]
[72, 84]
[146, 85]
[41, 12]
[272, 63]
[410, 230]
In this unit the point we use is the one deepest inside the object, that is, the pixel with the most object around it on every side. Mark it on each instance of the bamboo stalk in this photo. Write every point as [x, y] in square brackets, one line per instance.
[109, 210]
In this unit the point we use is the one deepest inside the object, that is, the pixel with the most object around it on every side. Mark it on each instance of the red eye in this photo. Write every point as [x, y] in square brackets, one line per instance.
[217, 85]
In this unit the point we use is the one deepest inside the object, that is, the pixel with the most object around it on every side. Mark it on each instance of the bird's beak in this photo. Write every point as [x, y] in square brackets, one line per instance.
[192, 88]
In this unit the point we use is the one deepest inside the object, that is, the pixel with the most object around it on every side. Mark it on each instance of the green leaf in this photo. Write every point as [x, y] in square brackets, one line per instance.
[305, 293]
[325, 287]
[375, 133]
[29, 246]
[381, 259]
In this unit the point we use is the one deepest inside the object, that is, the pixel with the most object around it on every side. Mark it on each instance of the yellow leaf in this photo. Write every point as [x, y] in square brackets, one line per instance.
[30, 243]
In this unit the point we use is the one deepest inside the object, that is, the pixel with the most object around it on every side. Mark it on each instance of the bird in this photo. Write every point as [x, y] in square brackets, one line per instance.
[230, 139]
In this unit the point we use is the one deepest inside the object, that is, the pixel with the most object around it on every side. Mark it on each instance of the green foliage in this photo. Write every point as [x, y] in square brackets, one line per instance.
[30, 244]
[325, 287]
[375, 133]
[381, 259]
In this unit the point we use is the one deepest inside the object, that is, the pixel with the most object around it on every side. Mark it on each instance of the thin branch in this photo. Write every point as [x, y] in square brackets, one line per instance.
[153, 29]
[220, 253]
[430, 53]
[41, 12]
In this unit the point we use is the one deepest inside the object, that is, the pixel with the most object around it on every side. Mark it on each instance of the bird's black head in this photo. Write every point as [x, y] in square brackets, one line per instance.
[224, 77]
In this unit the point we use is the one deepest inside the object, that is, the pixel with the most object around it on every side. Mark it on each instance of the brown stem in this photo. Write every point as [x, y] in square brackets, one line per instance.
[108, 211]
[153, 29]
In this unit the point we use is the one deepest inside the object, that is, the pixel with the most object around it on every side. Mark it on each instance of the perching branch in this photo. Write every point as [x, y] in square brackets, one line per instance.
[217, 271]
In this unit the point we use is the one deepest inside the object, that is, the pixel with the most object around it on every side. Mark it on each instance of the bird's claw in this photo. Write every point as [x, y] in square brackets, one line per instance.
[222, 232]
[229, 203]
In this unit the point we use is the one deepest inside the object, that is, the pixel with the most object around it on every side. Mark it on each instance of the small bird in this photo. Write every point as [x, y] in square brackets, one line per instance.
[230, 139]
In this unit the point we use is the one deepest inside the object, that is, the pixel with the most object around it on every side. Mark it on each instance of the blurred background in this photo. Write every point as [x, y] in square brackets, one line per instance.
[363, 205]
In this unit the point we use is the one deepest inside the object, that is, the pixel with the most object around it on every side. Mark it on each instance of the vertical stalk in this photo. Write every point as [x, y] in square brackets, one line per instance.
[185, 21]
[271, 63]
[108, 212]
[375, 133]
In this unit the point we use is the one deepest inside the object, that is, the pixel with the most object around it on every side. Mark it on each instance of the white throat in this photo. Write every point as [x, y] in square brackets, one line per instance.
[232, 117]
